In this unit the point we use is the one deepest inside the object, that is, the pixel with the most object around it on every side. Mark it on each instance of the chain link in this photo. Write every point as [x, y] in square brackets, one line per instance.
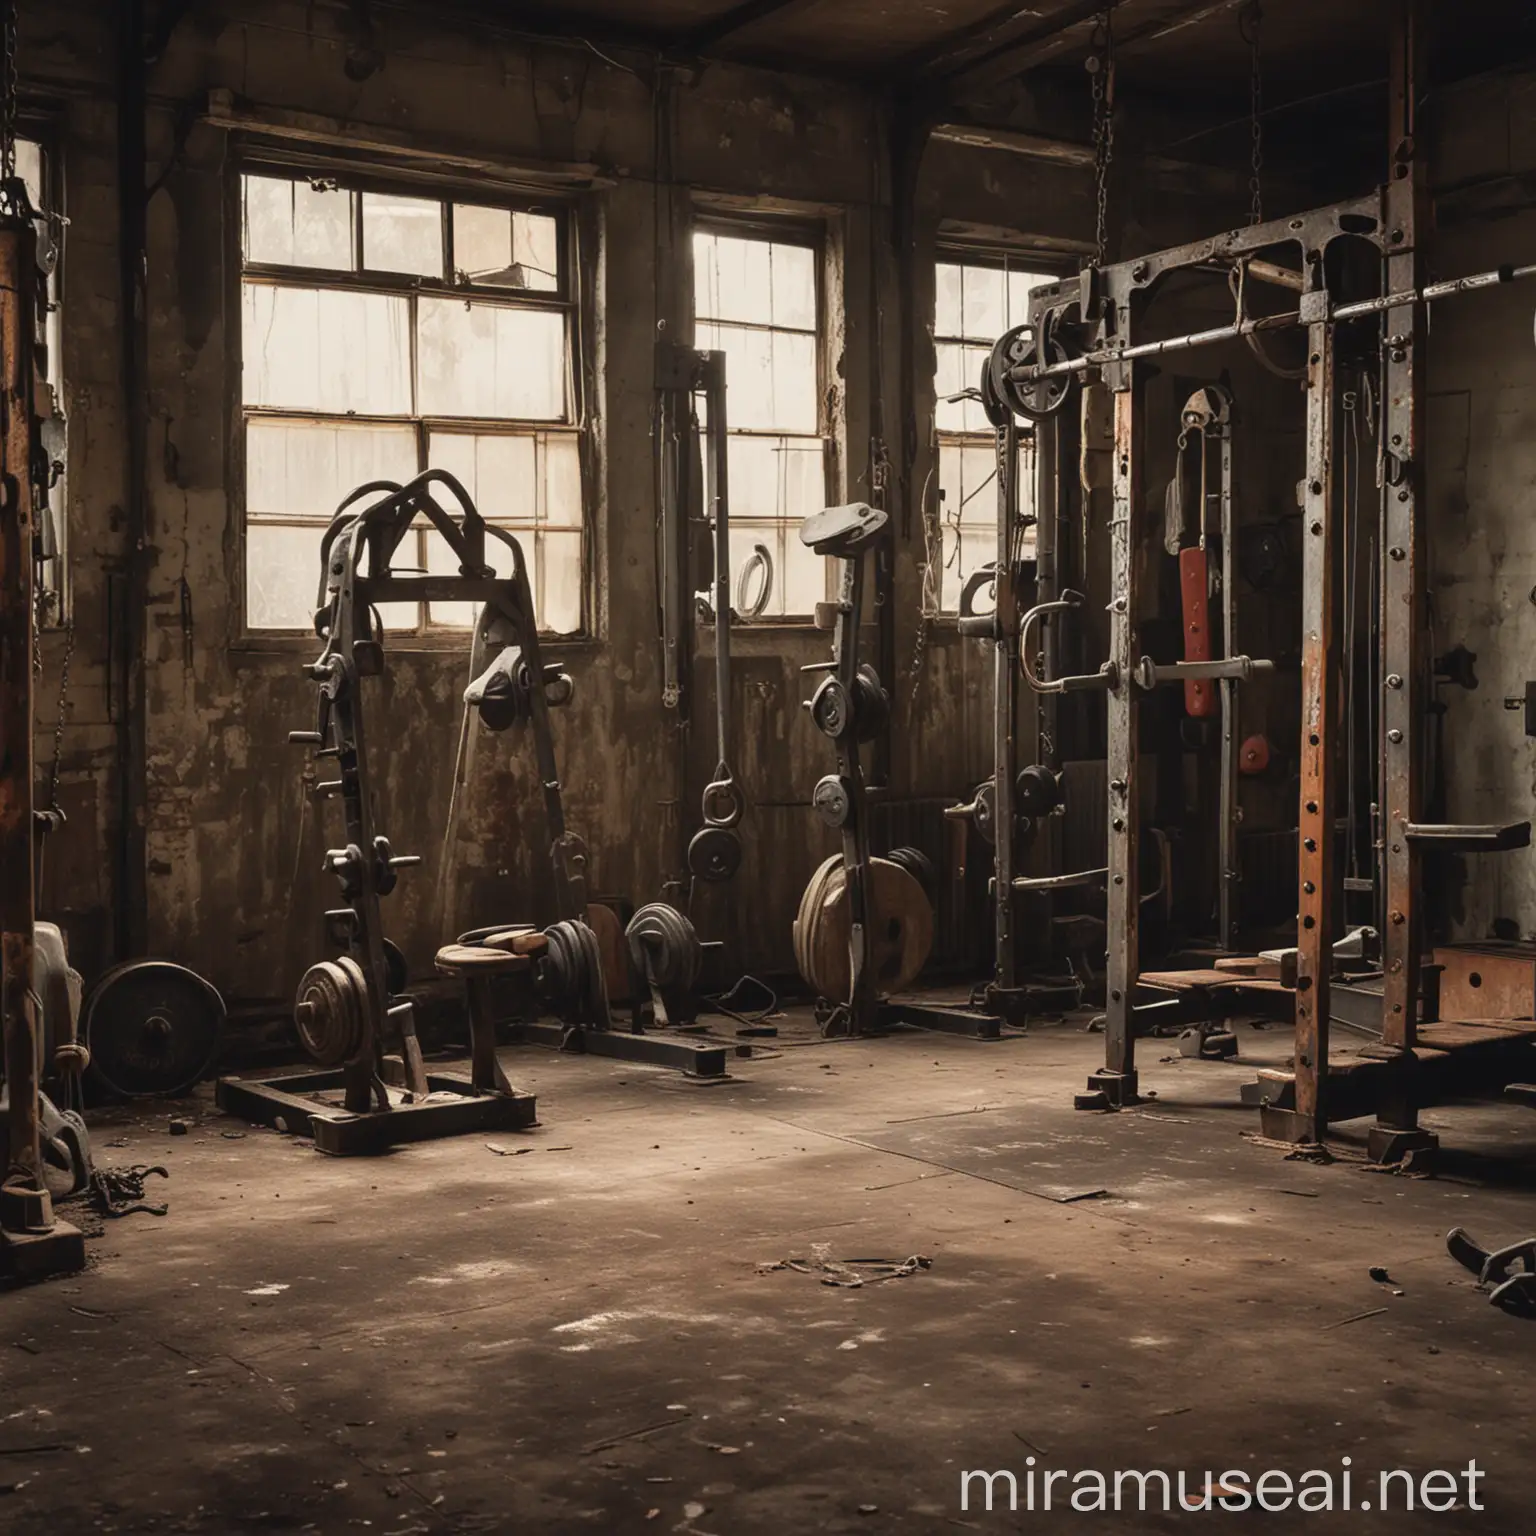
[11, 88]
[1251, 22]
[58, 724]
[1101, 70]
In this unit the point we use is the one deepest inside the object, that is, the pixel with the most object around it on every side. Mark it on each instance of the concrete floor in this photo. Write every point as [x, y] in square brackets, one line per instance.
[584, 1336]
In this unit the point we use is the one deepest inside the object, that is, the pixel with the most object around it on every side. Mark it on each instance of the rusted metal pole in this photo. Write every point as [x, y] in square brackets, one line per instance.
[18, 277]
[1404, 578]
[1118, 1080]
[1005, 704]
[1319, 716]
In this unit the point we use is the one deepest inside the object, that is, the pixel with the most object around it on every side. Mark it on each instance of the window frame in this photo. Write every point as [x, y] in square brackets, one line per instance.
[998, 257]
[812, 233]
[571, 297]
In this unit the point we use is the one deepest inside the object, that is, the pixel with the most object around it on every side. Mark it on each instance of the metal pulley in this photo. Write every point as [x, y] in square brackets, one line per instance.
[152, 1028]
[664, 947]
[331, 1009]
[1035, 399]
[832, 800]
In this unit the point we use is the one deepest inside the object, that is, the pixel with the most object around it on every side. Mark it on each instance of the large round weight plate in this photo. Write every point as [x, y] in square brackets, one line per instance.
[153, 1028]
[832, 800]
[832, 709]
[900, 936]
[397, 971]
[329, 1009]
[661, 937]
[604, 923]
[714, 855]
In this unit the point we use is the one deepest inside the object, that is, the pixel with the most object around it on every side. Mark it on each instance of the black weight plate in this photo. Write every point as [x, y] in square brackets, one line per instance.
[714, 855]
[397, 970]
[153, 1028]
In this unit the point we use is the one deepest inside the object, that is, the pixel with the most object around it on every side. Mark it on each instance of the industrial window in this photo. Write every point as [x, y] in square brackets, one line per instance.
[976, 301]
[384, 334]
[756, 300]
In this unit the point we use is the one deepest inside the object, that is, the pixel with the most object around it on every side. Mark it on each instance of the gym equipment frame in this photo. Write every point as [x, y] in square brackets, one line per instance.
[1095, 322]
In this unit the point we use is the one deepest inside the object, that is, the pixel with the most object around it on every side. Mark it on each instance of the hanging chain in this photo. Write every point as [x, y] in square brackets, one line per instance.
[58, 724]
[1101, 72]
[9, 85]
[1251, 24]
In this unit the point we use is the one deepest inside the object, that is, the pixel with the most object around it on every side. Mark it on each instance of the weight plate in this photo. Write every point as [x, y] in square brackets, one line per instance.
[871, 703]
[986, 811]
[153, 1028]
[661, 937]
[397, 972]
[1037, 791]
[919, 866]
[900, 929]
[714, 855]
[329, 1010]
[832, 709]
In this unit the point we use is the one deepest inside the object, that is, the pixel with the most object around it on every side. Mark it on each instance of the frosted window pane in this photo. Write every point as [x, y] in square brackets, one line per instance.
[984, 304]
[947, 314]
[959, 368]
[562, 483]
[482, 244]
[777, 477]
[978, 485]
[298, 469]
[794, 286]
[558, 598]
[732, 279]
[804, 578]
[290, 223]
[1020, 285]
[490, 360]
[402, 234]
[326, 350]
[29, 166]
[770, 377]
[536, 250]
[282, 576]
[443, 560]
[497, 471]
[762, 282]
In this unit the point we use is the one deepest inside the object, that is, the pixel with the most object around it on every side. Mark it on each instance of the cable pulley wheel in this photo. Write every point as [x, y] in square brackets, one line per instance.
[664, 946]
[152, 1028]
[1034, 399]
[721, 804]
[714, 855]
[329, 1011]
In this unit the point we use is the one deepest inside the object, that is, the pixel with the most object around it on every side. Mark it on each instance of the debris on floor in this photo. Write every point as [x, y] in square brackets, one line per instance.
[1511, 1289]
[849, 1272]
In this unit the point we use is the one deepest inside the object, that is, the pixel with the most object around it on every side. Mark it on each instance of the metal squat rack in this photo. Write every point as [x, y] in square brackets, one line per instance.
[1094, 324]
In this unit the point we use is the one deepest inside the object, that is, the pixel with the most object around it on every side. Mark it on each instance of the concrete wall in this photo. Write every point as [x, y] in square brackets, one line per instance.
[1482, 469]
[234, 831]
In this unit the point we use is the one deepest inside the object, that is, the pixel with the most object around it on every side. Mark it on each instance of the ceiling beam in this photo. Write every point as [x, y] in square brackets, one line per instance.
[950, 48]
[737, 19]
[1030, 50]
[1038, 41]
